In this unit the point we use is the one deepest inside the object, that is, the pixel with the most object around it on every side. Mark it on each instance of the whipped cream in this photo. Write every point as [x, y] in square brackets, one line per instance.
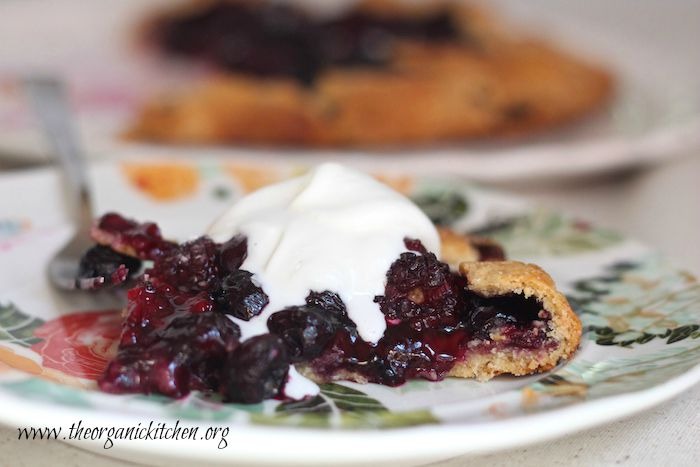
[333, 229]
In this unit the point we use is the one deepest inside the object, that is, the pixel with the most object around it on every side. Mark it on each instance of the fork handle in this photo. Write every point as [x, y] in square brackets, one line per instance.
[50, 104]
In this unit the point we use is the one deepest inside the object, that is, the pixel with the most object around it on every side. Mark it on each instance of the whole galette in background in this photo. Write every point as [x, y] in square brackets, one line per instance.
[384, 73]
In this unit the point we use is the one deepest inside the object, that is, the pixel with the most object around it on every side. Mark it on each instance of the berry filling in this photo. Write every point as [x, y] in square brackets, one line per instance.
[102, 266]
[190, 267]
[143, 241]
[280, 40]
[191, 352]
[488, 249]
[432, 322]
[178, 336]
[256, 370]
[306, 330]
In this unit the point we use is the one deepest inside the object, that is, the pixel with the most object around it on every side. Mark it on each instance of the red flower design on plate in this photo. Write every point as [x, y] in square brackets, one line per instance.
[79, 344]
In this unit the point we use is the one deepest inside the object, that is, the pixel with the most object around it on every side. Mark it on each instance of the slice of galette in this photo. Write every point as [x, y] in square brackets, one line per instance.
[329, 276]
[491, 318]
[522, 323]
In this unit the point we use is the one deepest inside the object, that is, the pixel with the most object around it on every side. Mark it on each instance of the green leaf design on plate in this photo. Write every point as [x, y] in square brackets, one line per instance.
[341, 406]
[593, 379]
[443, 207]
[333, 397]
[41, 390]
[637, 303]
[201, 407]
[337, 406]
[349, 399]
[16, 327]
[683, 332]
[543, 232]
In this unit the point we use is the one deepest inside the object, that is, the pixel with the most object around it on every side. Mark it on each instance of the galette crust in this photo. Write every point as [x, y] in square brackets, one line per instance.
[496, 278]
[429, 92]
[456, 248]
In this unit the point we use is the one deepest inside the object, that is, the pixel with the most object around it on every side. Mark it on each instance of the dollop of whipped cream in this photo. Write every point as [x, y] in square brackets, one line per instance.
[334, 229]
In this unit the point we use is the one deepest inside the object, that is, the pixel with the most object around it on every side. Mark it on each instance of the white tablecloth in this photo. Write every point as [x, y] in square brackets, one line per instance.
[659, 206]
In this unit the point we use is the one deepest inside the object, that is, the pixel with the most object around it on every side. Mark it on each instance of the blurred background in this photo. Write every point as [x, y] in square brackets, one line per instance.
[649, 114]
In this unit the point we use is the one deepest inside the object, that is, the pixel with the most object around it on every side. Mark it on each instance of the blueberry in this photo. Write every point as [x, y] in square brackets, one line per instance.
[239, 296]
[233, 253]
[305, 330]
[326, 300]
[256, 371]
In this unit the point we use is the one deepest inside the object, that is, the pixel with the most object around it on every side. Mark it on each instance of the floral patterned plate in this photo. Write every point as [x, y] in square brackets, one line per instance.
[641, 343]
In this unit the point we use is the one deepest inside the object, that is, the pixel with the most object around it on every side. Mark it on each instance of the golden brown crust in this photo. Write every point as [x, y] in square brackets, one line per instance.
[496, 278]
[112, 240]
[429, 92]
[456, 248]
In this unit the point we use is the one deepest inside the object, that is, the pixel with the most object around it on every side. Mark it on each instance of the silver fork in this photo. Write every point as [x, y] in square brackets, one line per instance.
[48, 99]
